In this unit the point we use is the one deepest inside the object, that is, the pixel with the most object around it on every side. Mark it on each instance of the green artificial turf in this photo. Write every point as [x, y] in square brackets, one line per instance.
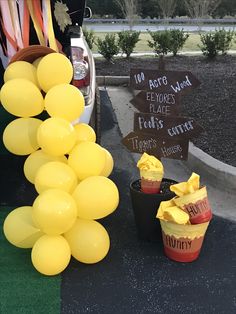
[22, 289]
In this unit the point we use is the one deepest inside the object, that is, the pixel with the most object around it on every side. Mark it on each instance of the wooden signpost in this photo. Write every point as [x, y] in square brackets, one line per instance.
[159, 103]
[153, 145]
[178, 82]
[169, 127]
[159, 129]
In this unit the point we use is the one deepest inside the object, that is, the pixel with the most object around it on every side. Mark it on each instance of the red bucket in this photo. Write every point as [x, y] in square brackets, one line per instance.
[196, 205]
[183, 243]
[150, 187]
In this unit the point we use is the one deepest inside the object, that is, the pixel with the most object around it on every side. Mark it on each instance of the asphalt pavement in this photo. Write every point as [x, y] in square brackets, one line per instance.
[136, 276]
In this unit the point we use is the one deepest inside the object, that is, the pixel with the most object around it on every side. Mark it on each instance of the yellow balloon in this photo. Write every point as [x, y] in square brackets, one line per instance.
[19, 228]
[56, 136]
[54, 211]
[88, 240]
[51, 255]
[20, 136]
[22, 98]
[54, 69]
[35, 160]
[87, 159]
[21, 69]
[96, 197]
[109, 164]
[85, 133]
[36, 63]
[55, 174]
[64, 101]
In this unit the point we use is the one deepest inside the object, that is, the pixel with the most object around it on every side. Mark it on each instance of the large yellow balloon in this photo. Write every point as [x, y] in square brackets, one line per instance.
[54, 211]
[56, 175]
[56, 136]
[20, 136]
[107, 170]
[88, 240]
[64, 101]
[54, 69]
[87, 159]
[22, 98]
[51, 255]
[21, 69]
[96, 197]
[85, 133]
[19, 228]
[35, 160]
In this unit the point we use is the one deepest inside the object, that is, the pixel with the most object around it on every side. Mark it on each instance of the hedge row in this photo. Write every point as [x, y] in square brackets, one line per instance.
[161, 42]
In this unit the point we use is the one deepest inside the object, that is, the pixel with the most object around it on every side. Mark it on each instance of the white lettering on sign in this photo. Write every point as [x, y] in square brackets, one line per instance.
[181, 128]
[157, 82]
[143, 145]
[181, 85]
[167, 151]
[154, 108]
[139, 78]
[152, 123]
[168, 99]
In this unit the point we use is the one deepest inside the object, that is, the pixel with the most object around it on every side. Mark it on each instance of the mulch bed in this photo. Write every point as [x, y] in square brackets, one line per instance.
[212, 105]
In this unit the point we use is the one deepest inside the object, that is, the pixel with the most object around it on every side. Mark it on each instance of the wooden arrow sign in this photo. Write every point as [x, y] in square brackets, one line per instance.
[178, 82]
[158, 103]
[150, 144]
[168, 127]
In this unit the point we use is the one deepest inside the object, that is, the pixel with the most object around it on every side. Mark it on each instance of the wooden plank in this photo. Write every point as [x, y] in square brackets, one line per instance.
[169, 127]
[158, 103]
[178, 82]
[159, 147]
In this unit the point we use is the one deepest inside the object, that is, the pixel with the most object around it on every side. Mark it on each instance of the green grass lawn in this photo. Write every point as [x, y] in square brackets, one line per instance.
[191, 44]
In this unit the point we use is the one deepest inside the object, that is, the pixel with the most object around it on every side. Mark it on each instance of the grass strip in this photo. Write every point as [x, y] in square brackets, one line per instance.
[191, 44]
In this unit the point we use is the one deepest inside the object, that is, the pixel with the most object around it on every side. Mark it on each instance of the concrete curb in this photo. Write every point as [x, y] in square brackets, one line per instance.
[218, 172]
[215, 170]
[112, 80]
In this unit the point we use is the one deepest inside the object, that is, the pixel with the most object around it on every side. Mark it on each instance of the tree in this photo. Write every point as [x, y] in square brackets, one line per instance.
[129, 9]
[201, 8]
[167, 7]
[149, 9]
[226, 8]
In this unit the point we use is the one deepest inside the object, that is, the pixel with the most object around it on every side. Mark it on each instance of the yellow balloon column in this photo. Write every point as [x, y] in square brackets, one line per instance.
[69, 170]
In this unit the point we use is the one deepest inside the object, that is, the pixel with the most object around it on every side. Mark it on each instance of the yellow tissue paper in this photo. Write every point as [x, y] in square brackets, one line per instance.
[150, 167]
[189, 187]
[168, 211]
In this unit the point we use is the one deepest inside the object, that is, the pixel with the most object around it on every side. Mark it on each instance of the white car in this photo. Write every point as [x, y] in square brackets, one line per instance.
[84, 70]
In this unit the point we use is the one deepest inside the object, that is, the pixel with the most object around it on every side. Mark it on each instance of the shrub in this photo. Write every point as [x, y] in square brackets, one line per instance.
[161, 41]
[127, 41]
[209, 46]
[167, 41]
[89, 37]
[224, 40]
[178, 39]
[108, 47]
[219, 41]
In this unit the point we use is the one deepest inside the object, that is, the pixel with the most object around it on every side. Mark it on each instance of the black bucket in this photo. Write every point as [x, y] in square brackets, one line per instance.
[145, 208]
